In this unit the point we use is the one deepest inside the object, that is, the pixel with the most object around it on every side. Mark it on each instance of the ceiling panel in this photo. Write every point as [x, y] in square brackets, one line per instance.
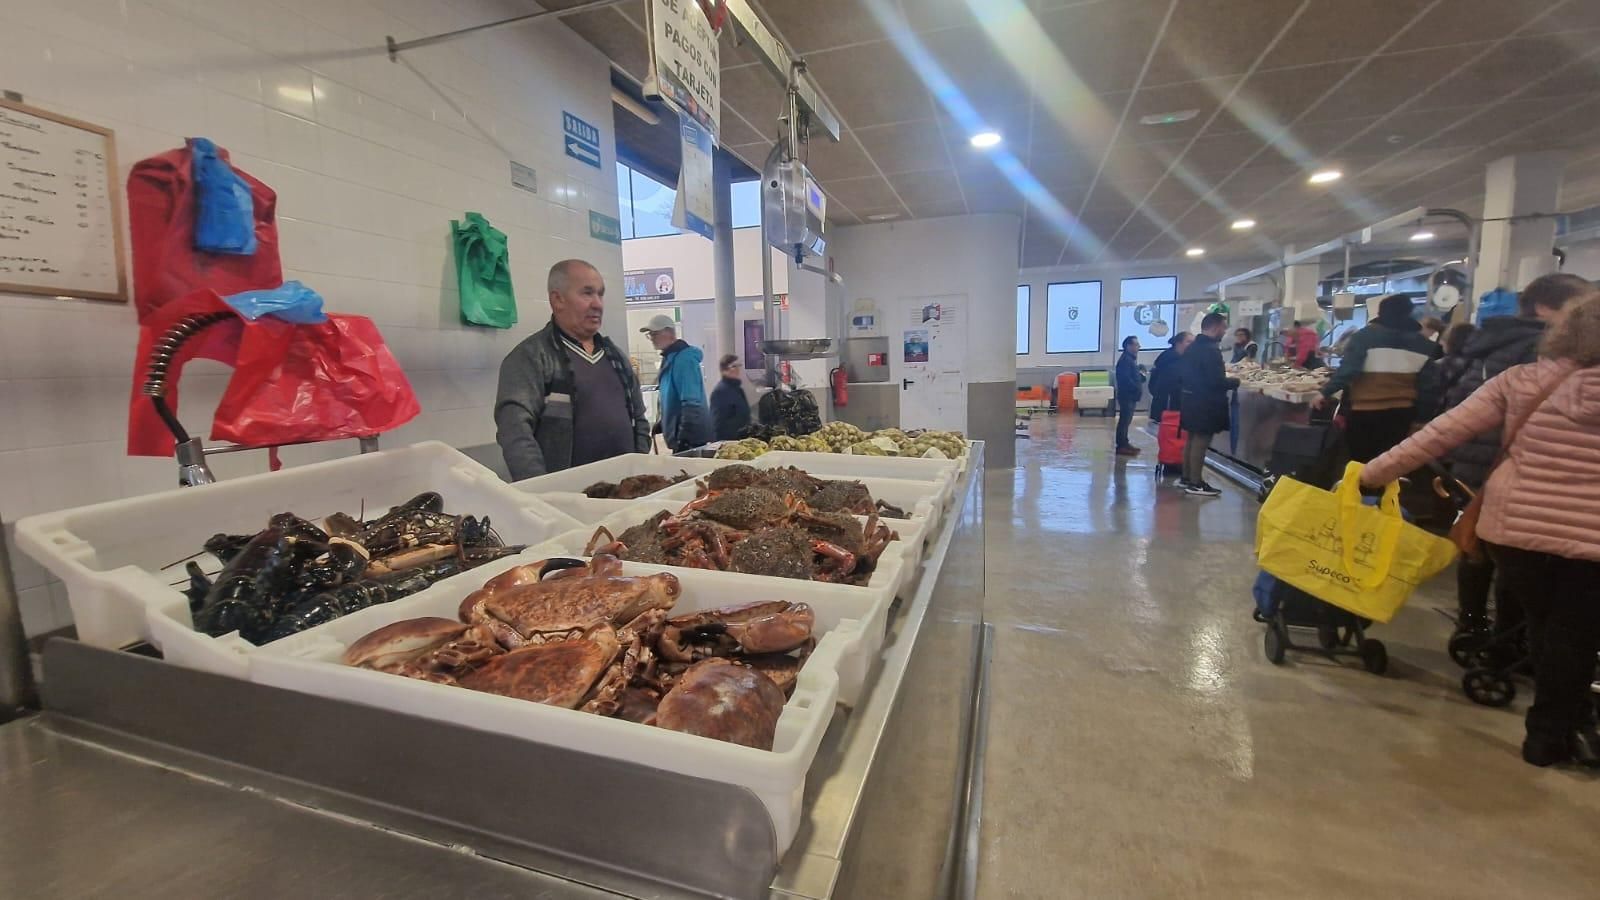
[988, 191]
[1212, 158]
[824, 24]
[1517, 62]
[1388, 81]
[1010, 121]
[755, 93]
[1103, 44]
[1207, 38]
[979, 71]
[831, 160]
[1040, 248]
[1342, 29]
[861, 194]
[871, 85]
[615, 36]
[1205, 97]
[926, 187]
[906, 146]
[1465, 21]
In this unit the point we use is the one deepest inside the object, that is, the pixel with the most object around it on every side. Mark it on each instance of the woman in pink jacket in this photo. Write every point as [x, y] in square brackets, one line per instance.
[1540, 518]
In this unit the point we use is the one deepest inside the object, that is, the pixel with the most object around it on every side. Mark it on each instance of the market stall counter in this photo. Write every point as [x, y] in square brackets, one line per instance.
[1266, 400]
[228, 786]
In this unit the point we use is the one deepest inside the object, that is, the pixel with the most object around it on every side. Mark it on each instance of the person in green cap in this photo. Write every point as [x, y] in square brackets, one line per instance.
[567, 395]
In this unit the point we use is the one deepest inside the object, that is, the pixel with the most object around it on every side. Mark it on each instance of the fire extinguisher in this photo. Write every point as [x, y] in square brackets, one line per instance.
[841, 388]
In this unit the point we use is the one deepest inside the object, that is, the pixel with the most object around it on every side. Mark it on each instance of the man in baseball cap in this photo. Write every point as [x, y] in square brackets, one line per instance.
[684, 421]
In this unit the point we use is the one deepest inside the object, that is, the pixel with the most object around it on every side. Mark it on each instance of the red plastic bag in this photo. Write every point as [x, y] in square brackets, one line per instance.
[161, 217]
[313, 383]
[291, 383]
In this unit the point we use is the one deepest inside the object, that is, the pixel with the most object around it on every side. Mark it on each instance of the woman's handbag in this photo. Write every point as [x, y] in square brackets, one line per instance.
[1464, 533]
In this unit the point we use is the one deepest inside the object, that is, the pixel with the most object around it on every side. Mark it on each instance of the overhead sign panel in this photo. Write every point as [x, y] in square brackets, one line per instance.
[685, 67]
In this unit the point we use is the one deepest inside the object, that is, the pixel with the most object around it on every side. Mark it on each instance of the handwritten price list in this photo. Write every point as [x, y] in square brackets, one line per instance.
[58, 218]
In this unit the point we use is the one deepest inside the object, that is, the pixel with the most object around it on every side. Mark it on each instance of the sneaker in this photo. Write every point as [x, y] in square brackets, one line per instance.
[1201, 489]
[1129, 450]
[1181, 484]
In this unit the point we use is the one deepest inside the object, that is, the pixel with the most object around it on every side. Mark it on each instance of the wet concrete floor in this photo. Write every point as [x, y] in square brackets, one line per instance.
[1141, 746]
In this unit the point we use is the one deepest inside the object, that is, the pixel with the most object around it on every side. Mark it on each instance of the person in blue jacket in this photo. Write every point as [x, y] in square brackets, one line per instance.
[1130, 385]
[685, 422]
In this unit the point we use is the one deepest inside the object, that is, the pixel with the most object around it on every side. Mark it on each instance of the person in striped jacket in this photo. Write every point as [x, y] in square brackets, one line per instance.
[1387, 373]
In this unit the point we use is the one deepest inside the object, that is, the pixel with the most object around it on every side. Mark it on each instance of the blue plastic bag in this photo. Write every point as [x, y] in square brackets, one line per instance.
[225, 220]
[291, 302]
[1498, 302]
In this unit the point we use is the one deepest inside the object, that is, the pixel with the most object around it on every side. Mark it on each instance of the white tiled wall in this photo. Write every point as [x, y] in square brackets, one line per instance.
[371, 159]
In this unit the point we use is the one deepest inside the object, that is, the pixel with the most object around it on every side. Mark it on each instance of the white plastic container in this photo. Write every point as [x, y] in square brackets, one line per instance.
[573, 481]
[848, 465]
[586, 510]
[920, 499]
[111, 555]
[309, 663]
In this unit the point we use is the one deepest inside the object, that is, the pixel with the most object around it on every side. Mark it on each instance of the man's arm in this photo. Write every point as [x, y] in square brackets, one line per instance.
[519, 402]
[641, 423]
[1355, 358]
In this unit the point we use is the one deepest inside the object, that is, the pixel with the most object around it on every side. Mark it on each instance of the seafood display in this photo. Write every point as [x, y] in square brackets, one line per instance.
[583, 636]
[842, 437]
[1294, 381]
[634, 486]
[293, 575]
[828, 495]
[757, 522]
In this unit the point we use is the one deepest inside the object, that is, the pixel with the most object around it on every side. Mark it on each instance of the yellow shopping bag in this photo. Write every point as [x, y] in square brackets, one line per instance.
[1360, 558]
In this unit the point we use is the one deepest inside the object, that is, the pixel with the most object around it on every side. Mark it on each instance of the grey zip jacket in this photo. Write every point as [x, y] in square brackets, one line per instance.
[533, 407]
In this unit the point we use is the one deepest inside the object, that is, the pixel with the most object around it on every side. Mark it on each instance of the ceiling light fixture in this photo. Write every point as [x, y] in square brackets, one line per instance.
[1195, 252]
[983, 140]
[1326, 176]
[883, 217]
[1243, 224]
[1422, 236]
[1169, 118]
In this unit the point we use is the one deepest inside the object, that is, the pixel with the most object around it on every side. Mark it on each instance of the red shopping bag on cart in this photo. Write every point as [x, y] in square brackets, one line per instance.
[291, 383]
[161, 216]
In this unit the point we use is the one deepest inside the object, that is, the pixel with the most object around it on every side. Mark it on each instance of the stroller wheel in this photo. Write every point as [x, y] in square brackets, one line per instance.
[1267, 484]
[1328, 637]
[1374, 656]
[1273, 643]
[1487, 687]
[1464, 647]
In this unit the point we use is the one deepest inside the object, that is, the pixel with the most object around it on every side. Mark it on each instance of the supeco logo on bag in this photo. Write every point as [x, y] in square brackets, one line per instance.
[1329, 574]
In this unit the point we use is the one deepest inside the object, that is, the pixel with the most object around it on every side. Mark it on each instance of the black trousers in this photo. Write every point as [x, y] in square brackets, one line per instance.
[1561, 599]
[1475, 582]
[1158, 405]
[1194, 457]
[1370, 434]
[1124, 418]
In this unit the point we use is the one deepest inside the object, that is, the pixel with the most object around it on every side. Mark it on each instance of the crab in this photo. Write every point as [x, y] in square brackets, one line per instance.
[718, 698]
[563, 673]
[742, 508]
[569, 607]
[770, 626]
[634, 486]
[641, 543]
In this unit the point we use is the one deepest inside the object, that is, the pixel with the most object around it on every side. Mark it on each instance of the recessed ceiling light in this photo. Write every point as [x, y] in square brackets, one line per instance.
[1169, 118]
[1422, 236]
[883, 217]
[1194, 252]
[1326, 176]
[983, 140]
[1244, 224]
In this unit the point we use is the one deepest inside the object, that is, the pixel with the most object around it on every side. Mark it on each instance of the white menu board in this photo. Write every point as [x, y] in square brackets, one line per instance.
[60, 211]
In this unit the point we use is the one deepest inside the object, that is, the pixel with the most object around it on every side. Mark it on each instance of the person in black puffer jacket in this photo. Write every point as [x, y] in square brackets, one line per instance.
[1452, 366]
[1499, 344]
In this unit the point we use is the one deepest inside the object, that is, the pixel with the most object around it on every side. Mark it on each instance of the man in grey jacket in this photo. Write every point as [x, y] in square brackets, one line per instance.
[567, 395]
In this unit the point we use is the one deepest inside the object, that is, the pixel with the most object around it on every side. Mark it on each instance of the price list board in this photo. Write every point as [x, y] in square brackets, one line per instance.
[60, 210]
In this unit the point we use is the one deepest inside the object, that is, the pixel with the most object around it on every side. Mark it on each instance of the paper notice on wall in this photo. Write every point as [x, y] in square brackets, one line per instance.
[1247, 308]
[685, 67]
[694, 208]
[916, 346]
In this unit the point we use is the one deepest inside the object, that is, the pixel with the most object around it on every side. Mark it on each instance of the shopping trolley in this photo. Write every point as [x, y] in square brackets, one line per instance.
[1282, 607]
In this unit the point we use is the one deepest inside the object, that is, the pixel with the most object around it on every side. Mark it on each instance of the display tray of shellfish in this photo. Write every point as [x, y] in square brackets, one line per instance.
[207, 574]
[630, 476]
[890, 498]
[943, 472]
[727, 677]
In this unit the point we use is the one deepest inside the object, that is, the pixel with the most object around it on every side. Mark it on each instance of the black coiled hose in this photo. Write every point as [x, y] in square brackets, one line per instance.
[161, 355]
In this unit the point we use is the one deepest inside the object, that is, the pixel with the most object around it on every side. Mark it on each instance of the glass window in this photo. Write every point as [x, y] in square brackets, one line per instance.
[1146, 301]
[746, 203]
[1023, 292]
[1072, 317]
[652, 206]
[625, 199]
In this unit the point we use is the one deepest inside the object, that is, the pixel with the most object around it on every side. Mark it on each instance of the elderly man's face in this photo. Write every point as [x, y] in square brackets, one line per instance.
[579, 309]
[663, 339]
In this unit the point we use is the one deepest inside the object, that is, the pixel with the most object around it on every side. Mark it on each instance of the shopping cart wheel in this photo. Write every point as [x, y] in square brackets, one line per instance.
[1487, 687]
[1273, 643]
[1328, 637]
[1464, 647]
[1267, 484]
[1374, 656]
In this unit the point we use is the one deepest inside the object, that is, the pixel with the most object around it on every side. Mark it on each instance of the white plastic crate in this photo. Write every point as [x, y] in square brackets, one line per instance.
[922, 500]
[848, 465]
[309, 663]
[574, 480]
[586, 510]
[111, 555]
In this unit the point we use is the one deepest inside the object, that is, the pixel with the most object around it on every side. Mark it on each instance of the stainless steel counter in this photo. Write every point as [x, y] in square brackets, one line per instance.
[1260, 416]
[143, 779]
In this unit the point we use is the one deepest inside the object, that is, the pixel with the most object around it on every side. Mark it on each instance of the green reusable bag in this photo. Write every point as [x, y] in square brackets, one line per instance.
[483, 272]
